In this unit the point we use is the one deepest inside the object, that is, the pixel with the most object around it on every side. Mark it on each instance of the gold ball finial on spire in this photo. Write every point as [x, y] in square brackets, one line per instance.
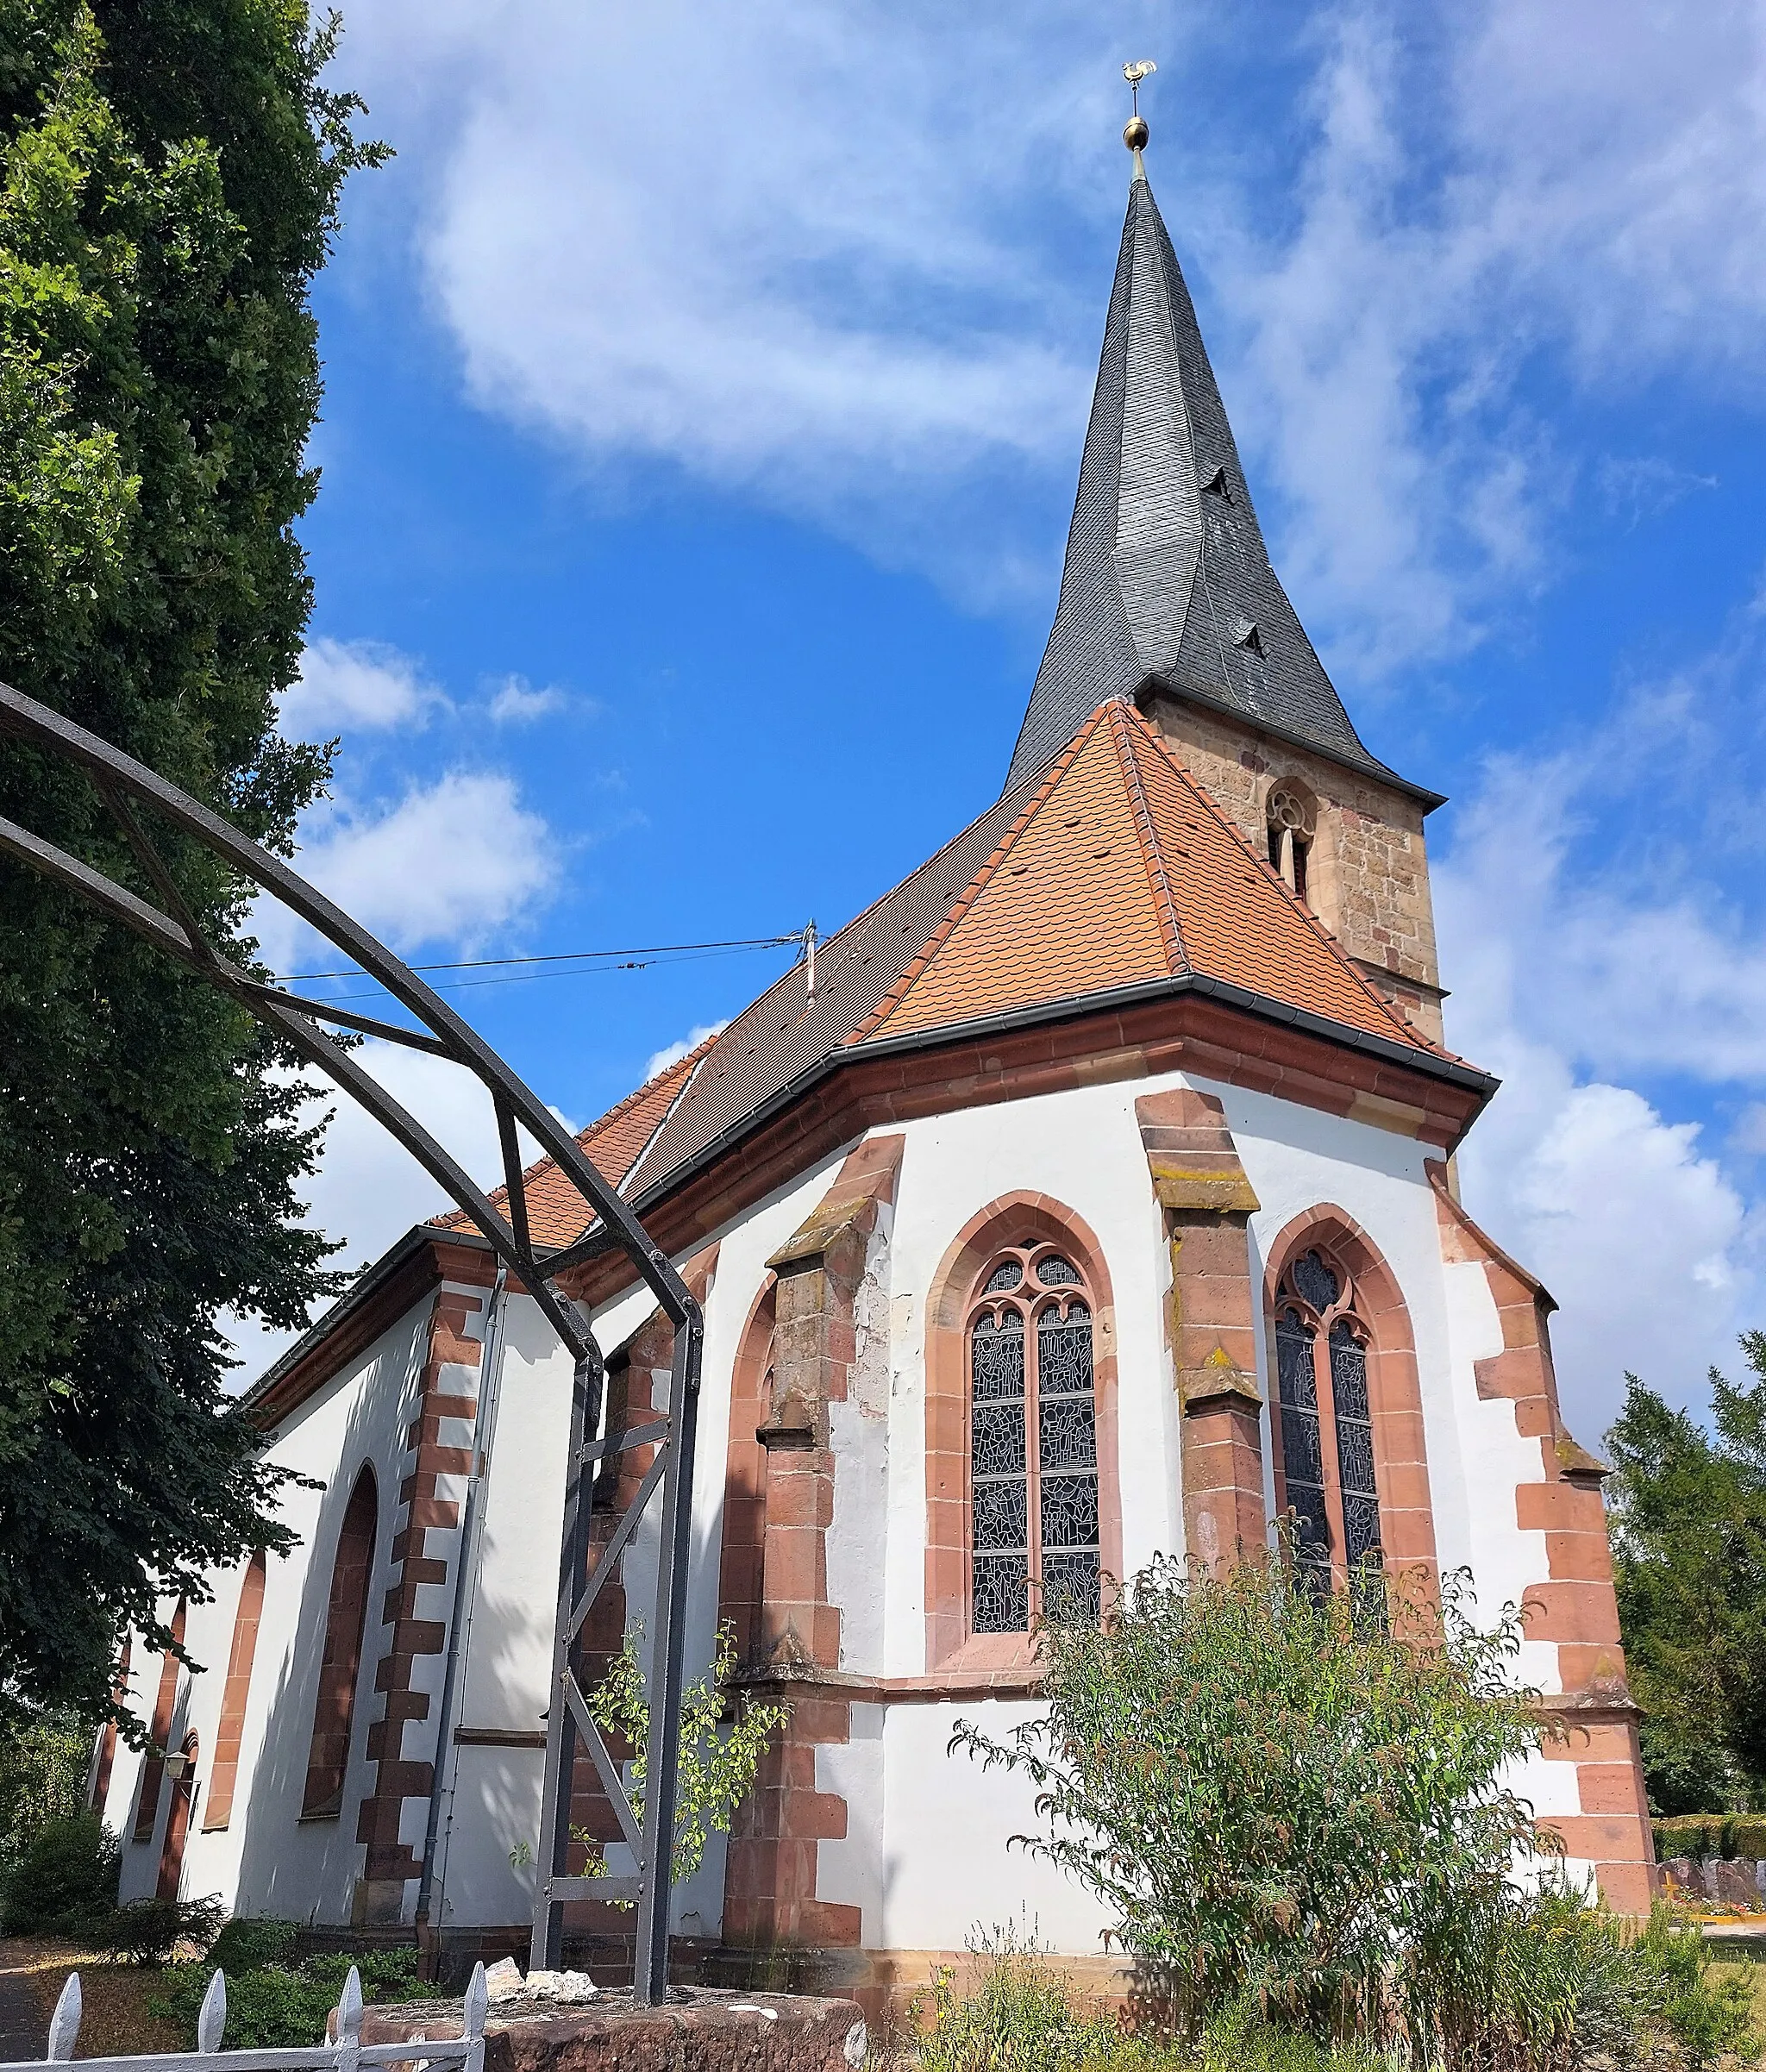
[1135, 132]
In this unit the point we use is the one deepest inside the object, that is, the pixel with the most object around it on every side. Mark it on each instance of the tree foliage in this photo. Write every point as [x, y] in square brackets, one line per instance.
[1689, 1562]
[169, 179]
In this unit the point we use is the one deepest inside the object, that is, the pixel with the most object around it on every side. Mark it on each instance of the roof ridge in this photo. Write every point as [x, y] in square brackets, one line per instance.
[929, 949]
[1411, 1033]
[689, 1067]
[1152, 855]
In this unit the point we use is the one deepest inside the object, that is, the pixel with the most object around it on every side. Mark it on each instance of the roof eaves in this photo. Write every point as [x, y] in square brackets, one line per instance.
[1435, 1064]
[359, 1292]
[1432, 1064]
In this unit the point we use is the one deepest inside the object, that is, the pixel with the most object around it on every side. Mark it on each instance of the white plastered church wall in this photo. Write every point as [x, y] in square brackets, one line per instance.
[267, 1860]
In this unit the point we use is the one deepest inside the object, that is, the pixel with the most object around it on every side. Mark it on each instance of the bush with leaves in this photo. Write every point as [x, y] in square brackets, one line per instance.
[1018, 2019]
[1688, 1504]
[250, 1941]
[282, 2006]
[723, 1735]
[1268, 1793]
[1301, 1814]
[149, 1931]
[63, 1878]
[44, 1756]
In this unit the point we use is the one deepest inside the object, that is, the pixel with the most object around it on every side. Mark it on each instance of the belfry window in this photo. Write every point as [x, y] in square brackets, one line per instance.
[1290, 822]
[1033, 1444]
[1325, 1435]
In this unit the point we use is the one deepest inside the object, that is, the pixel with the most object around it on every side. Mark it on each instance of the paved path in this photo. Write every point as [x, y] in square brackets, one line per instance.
[24, 2031]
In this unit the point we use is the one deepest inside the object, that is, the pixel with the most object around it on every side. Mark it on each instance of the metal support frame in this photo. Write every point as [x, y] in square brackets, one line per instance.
[123, 783]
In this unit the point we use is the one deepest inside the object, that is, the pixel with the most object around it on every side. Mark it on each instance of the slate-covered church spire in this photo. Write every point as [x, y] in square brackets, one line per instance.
[1167, 583]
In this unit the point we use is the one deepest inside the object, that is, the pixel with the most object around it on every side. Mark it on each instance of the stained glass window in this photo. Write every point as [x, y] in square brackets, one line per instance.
[1302, 1451]
[1317, 1315]
[1033, 1449]
[1314, 1282]
[1000, 1493]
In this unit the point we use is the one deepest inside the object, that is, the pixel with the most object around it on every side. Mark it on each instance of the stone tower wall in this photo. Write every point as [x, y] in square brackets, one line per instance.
[1368, 874]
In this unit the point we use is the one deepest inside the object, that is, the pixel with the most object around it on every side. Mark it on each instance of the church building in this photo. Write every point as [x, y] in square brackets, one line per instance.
[1095, 1200]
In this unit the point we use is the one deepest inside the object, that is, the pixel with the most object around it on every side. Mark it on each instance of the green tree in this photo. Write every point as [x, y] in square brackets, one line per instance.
[1689, 1562]
[170, 173]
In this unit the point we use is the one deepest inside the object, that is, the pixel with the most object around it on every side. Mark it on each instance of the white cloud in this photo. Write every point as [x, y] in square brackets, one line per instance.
[826, 256]
[671, 1053]
[448, 862]
[368, 1190]
[365, 684]
[1566, 981]
[517, 702]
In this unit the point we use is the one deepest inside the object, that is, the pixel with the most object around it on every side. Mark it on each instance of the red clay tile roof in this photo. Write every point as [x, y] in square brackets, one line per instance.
[1112, 868]
[1119, 869]
[614, 1144]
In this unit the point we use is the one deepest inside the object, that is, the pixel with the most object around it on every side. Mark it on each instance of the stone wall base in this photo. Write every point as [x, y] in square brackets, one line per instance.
[699, 2031]
[882, 1983]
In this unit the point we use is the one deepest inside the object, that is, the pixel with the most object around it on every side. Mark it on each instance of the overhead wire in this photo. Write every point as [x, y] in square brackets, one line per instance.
[559, 956]
[578, 963]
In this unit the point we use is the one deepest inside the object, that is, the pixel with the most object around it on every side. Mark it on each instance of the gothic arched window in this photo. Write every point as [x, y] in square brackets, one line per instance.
[1325, 1439]
[1291, 821]
[1033, 1443]
[346, 1621]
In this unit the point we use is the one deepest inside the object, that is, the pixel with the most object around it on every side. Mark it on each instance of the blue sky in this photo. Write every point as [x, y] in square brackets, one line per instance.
[704, 390]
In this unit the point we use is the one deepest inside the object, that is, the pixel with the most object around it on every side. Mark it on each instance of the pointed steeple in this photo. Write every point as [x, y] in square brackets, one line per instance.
[1166, 581]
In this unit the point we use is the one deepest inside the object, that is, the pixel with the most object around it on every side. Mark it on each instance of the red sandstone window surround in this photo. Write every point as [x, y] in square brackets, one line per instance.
[1347, 1434]
[159, 1729]
[334, 1710]
[995, 1533]
[218, 1808]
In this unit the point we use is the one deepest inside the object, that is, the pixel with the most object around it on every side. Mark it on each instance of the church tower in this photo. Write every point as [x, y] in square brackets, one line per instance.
[1167, 597]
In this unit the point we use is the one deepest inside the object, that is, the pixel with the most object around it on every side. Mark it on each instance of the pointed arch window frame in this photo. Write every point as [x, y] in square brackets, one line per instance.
[1399, 1437]
[954, 1651]
[1034, 1296]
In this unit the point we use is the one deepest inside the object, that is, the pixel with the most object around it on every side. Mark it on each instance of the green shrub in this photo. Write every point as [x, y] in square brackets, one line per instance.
[43, 1760]
[724, 1732]
[1273, 1794]
[250, 1941]
[1725, 1835]
[149, 1931]
[63, 1878]
[1018, 2019]
[279, 2005]
[1704, 2013]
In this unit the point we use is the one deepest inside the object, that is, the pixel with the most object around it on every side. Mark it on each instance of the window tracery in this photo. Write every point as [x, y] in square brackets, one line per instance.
[1033, 1443]
[1291, 823]
[1326, 1427]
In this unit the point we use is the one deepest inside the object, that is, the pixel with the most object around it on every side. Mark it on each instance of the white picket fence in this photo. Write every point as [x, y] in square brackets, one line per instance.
[345, 2053]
